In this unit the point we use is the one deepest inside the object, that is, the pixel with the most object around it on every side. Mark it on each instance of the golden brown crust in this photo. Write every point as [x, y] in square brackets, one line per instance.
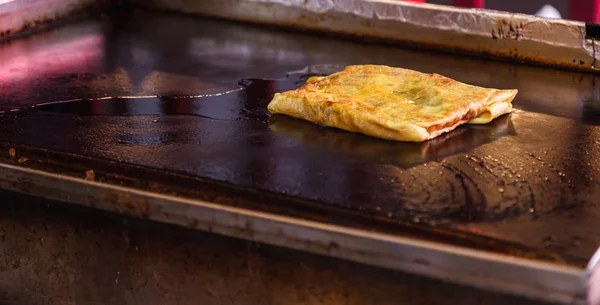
[391, 103]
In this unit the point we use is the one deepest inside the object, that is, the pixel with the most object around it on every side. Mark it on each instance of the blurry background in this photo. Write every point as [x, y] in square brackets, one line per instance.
[527, 7]
[580, 10]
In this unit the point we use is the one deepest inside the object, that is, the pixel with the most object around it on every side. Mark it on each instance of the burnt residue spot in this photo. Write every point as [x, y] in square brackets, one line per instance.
[15, 264]
[332, 246]
[144, 208]
[124, 203]
[508, 30]
[5, 33]
[581, 62]
[26, 27]
[90, 175]
[574, 60]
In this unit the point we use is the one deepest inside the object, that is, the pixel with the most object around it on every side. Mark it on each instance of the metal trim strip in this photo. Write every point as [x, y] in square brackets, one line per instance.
[510, 36]
[505, 274]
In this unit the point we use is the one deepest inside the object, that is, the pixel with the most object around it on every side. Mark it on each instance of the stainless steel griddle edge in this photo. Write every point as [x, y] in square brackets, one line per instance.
[501, 273]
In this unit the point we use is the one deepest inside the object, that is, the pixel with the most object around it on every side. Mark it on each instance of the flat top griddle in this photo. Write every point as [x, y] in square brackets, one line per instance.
[524, 184]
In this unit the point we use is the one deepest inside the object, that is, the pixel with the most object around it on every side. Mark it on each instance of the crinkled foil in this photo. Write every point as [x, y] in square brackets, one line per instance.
[518, 37]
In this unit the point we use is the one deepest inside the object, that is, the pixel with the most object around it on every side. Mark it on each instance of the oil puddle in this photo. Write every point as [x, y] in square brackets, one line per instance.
[248, 101]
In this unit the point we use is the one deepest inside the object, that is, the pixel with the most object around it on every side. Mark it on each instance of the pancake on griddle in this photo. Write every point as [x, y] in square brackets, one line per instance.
[392, 103]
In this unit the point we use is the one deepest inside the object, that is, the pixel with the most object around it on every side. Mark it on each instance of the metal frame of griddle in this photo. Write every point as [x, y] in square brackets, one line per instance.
[502, 35]
[496, 272]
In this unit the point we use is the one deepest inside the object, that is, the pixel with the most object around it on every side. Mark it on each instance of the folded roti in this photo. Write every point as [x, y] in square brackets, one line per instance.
[392, 103]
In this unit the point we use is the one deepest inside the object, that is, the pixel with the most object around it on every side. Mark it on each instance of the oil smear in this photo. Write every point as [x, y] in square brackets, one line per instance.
[247, 101]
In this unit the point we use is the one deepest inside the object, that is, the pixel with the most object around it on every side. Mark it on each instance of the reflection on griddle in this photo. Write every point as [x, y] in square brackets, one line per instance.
[247, 101]
[403, 154]
[220, 109]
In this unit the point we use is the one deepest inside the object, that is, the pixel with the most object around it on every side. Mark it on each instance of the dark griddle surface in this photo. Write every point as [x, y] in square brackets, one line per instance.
[530, 178]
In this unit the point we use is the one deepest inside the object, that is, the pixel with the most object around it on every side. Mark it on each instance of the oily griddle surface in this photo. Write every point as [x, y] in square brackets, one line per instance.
[530, 178]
